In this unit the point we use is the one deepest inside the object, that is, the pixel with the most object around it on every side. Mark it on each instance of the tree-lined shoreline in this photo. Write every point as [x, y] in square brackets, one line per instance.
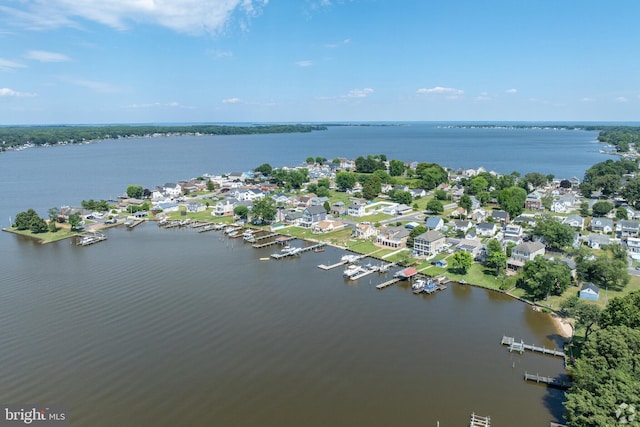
[18, 137]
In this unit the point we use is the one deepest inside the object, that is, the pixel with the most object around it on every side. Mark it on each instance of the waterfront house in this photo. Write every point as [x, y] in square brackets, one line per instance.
[486, 229]
[338, 209]
[602, 225]
[313, 215]
[224, 207]
[434, 223]
[282, 199]
[565, 203]
[171, 189]
[167, 207]
[326, 226]
[534, 201]
[524, 252]
[575, 221]
[626, 228]
[196, 207]
[393, 237]
[356, 209]
[500, 216]
[462, 225]
[429, 243]
[512, 233]
[597, 241]
[293, 217]
[318, 201]
[473, 246]
[365, 231]
[633, 244]
[589, 291]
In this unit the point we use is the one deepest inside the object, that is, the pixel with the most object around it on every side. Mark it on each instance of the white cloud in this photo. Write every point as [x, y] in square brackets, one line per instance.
[359, 93]
[587, 99]
[484, 96]
[622, 99]
[159, 104]
[8, 65]
[336, 45]
[44, 56]
[439, 90]
[231, 101]
[101, 87]
[219, 53]
[304, 63]
[512, 90]
[186, 16]
[5, 91]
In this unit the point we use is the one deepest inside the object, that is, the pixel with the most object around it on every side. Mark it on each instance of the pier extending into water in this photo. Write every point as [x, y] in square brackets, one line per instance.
[388, 283]
[279, 241]
[295, 251]
[479, 421]
[521, 347]
[550, 381]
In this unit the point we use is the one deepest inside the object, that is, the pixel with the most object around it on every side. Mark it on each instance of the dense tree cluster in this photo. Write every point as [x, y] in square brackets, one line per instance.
[606, 375]
[29, 220]
[556, 235]
[606, 177]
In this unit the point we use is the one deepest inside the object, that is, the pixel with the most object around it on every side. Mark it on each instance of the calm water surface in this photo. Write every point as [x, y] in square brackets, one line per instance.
[171, 327]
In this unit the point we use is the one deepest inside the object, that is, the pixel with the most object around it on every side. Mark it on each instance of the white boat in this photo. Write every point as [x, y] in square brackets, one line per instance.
[349, 258]
[418, 286]
[353, 270]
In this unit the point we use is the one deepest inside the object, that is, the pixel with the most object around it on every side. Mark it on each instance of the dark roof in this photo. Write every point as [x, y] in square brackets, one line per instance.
[590, 286]
[316, 210]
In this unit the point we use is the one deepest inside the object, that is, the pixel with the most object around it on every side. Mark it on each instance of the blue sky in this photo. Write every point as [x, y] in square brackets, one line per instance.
[156, 61]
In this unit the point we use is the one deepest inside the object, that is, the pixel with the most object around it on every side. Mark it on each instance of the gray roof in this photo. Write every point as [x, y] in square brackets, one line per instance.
[431, 236]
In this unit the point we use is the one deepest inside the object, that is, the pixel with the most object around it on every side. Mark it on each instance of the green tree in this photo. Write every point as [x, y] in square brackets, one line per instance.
[52, 226]
[477, 185]
[400, 196]
[210, 185]
[74, 220]
[435, 206]
[241, 211]
[135, 191]
[345, 181]
[496, 257]
[24, 219]
[38, 225]
[320, 160]
[556, 235]
[54, 213]
[621, 213]
[442, 195]
[512, 200]
[265, 169]
[623, 310]
[465, 202]
[371, 187]
[310, 160]
[584, 209]
[264, 210]
[461, 262]
[631, 192]
[602, 208]
[535, 179]
[396, 168]
[543, 277]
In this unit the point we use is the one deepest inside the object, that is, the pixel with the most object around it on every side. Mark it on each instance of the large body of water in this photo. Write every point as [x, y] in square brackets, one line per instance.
[164, 328]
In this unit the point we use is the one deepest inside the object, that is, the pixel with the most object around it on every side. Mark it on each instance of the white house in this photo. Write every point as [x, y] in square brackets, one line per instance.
[356, 209]
[223, 208]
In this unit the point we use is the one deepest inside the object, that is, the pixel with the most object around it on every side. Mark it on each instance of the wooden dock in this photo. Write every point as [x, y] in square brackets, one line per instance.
[279, 241]
[550, 381]
[295, 251]
[521, 347]
[388, 283]
[479, 421]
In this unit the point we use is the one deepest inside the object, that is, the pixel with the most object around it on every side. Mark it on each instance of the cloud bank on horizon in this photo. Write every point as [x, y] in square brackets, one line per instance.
[95, 61]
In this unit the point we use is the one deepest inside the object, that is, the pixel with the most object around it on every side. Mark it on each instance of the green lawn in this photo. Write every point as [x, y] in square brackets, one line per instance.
[48, 237]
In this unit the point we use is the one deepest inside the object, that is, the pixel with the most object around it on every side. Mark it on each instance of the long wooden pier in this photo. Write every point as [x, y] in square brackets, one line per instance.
[479, 421]
[521, 347]
[550, 381]
[296, 251]
[280, 240]
[388, 283]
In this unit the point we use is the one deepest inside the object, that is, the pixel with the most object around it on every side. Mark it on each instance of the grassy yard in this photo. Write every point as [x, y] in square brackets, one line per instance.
[48, 237]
